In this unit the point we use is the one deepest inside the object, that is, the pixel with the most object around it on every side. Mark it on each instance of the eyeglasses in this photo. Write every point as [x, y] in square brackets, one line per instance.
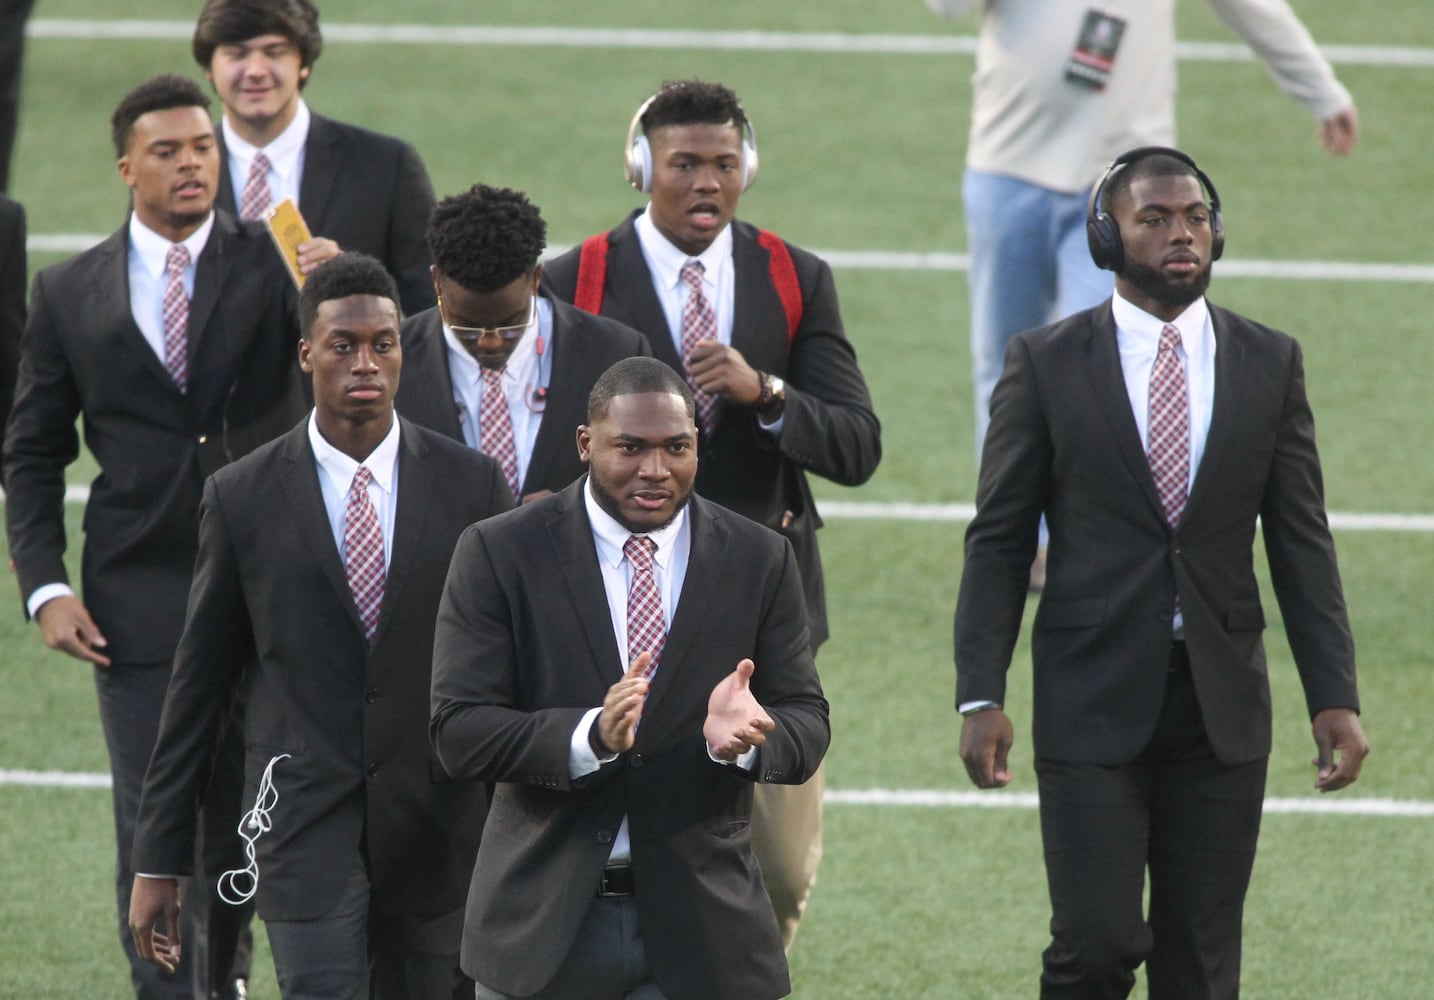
[473, 334]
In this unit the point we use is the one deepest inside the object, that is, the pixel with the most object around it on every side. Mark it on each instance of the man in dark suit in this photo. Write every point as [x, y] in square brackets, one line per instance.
[617, 859]
[13, 276]
[367, 191]
[321, 561]
[753, 323]
[172, 340]
[494, 333]
[1154, 431]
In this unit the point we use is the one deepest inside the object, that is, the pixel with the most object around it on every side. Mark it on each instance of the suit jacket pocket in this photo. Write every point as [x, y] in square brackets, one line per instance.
[1085, 613]
[1245, 618]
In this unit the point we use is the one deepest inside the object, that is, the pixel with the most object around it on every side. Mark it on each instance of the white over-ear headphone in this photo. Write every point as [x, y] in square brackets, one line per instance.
[637, 155]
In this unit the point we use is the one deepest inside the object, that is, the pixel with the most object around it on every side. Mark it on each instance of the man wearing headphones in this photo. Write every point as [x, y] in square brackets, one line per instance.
[1153, 430]
[1060, 88]
[753, 324]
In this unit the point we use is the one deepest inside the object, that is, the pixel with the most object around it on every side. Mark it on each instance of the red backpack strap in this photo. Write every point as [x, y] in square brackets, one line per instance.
[592, 274]
[784, 278]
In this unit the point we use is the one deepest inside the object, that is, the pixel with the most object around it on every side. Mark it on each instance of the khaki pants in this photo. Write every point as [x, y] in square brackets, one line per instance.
[787, 840]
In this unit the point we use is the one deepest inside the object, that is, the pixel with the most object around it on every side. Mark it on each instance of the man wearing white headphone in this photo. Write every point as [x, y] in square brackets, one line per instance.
[753, 323]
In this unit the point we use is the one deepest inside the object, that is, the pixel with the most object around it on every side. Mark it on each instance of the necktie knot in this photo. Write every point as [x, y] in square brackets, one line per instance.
[492, 377]
[1169, 338]
[176, 260]
[260, 166]
[639, 550]
[256, 196]
[692, 273]
[362, 477]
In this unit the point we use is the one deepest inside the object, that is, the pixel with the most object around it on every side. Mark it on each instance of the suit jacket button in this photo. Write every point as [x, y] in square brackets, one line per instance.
[636, 760]
[604, 837]
[372, 770]
[1166, 614]
[371, 695]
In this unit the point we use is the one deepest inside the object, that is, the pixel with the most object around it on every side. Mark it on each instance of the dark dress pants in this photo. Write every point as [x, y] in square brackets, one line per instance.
[1175, 811]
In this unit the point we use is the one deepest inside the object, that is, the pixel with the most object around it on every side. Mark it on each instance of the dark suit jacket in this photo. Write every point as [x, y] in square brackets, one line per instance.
[1063, 439]
[828, 426]
[583, 347]
[270, 593]
[368, 192]
[13, 276]
[82, 354]
[524, 647]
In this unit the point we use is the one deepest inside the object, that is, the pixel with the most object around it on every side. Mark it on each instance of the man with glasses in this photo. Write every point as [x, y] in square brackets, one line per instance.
[498, 363]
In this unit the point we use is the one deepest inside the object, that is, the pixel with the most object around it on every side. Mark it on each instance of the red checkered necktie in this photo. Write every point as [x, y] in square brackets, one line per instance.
[646, 628]
[176, 316]
[699, 322]
[363, 551]
[1168, 434]
[495, 432]
[256, 189]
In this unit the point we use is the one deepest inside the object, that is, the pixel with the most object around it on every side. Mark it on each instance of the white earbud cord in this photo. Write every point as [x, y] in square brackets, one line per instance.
[255, 823]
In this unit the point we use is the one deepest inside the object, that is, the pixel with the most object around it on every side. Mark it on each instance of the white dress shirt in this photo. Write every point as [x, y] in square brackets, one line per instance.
[529, 367]
[336, 475]
[285, 153]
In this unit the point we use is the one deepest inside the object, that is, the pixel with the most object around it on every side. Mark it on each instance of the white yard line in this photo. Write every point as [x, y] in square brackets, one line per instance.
[937, 43]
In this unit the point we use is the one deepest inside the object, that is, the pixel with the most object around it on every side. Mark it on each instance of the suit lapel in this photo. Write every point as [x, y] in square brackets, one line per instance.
[116, 269]
[322, 168]
[299, 479]
[571, 536]
[415, 490]
[567, 403]
[1230, 383]
[1113, 401]
[706, 564]
[629, 296]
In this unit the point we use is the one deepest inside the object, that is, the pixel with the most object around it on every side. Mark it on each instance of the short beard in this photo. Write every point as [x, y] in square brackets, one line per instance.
[183, 220]
[609, 504]
[1172, 294]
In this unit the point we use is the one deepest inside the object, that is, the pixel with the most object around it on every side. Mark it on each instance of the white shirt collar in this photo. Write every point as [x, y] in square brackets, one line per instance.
[381, 462]
[1144, 329]
[666, 260]
[282, 152]
[151, 248]
[611, 536]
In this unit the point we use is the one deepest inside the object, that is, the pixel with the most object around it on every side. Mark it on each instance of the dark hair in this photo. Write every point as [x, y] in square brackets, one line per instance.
[486, 237]
[693, 102]
[339, 277]
[157, 94]
[634, 375]
[1154, 165]
[228, 22]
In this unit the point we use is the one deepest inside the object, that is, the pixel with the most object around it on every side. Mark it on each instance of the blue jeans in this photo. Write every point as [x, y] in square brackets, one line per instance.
[1029, 266]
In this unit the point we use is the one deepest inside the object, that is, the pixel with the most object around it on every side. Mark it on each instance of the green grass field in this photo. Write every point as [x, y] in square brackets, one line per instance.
[862, 151]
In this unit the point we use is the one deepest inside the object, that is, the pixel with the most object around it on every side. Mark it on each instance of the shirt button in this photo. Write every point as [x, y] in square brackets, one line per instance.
[204, 439]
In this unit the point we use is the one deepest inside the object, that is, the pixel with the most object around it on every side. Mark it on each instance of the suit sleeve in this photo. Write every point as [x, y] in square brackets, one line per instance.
[479, 728]
[785, 683]
[13, 275]
[216, 645]
[412, 204]
[828, 424]
[1001, 539]
[1302, 560]
[40, 443]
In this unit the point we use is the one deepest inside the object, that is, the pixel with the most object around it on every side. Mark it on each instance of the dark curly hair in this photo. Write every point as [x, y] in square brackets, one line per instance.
[227, 22]
[693, 102]
[339, 277]
[486, 237]
[158, 93]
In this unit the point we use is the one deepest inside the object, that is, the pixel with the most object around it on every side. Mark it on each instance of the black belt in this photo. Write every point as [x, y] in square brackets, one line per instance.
[616, 881]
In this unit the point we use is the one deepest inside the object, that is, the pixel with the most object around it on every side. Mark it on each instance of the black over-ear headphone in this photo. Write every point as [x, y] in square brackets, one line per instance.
[1103, 232]
[637, 154]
